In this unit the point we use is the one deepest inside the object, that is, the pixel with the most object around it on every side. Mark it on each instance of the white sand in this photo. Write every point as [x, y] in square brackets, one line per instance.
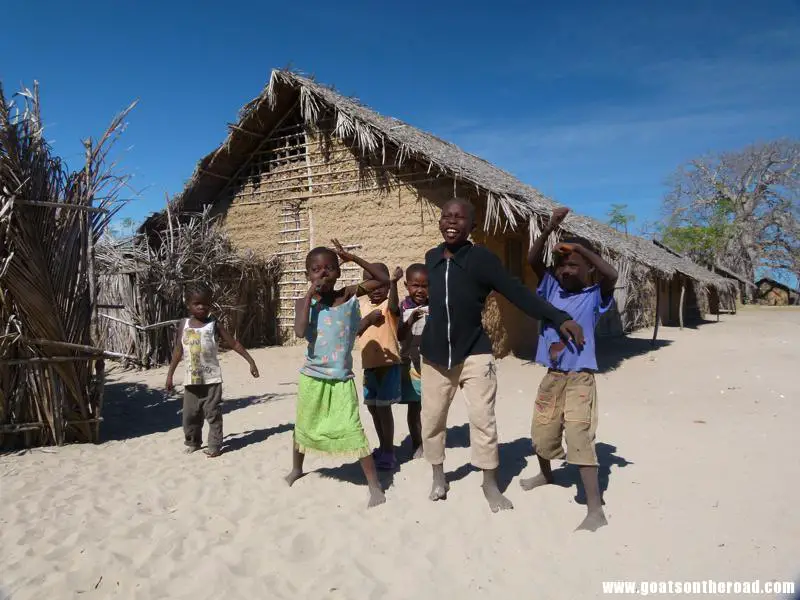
[700, 438]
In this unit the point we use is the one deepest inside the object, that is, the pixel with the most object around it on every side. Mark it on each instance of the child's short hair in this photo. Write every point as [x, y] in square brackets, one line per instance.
[197, 289]
[318, 251]
[416, 268]
[463, 202]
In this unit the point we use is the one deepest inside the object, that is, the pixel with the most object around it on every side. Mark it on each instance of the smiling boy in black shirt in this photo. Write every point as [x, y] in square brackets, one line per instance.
[456, 351]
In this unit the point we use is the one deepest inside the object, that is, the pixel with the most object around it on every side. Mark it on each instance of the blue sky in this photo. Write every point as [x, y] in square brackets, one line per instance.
[593, 103]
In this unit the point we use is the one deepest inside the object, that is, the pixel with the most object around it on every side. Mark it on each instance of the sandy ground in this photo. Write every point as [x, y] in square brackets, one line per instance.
[700, 468]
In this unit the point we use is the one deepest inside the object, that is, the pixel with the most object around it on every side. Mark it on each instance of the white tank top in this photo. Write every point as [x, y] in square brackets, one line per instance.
[200, 354]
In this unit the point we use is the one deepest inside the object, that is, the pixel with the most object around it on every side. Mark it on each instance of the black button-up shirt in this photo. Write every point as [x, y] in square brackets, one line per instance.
[457, 291]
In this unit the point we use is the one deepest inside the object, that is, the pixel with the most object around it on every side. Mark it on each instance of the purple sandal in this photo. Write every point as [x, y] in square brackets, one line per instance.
[385, 461]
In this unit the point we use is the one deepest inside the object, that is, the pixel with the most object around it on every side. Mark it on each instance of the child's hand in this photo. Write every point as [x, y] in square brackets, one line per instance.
[398, 274]
[572, 331]
[558, 216]
[169, 385]
[564, 249]
[376, 318]
[344, 255]
[254, 370]
[417, 315]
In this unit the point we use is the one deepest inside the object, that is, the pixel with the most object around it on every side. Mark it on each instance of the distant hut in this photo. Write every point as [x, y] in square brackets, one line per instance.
[744, 289]
[718, 299]
[775, 293]
[305, 164]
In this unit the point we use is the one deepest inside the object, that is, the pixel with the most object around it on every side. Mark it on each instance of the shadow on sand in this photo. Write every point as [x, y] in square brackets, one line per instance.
[352, 473]
[134, 410]
[613, 351]
[567, 476]
[238, 441]
[514, 458]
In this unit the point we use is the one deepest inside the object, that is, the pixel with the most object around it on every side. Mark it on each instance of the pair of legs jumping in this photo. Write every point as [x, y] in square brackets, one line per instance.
[566, 406]
[384, 387]
[328, 422]
[383, 419]
[477, 379]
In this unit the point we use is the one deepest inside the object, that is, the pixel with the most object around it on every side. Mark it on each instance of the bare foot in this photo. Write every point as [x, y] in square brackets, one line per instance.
[417, 453]
[593, 521]
[439, 491]
[212, 453]
[376, 497]
[190, 449]
[533, 482]
[496, 500]
[293, 476]
[440, 486]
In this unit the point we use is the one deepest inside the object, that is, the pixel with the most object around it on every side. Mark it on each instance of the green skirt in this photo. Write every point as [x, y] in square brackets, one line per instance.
[327, 418]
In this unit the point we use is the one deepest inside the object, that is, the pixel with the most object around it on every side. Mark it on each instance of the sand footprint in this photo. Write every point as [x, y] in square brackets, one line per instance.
[302, 548]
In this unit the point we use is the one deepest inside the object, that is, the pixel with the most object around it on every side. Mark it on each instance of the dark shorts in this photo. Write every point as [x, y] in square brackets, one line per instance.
[382, 385]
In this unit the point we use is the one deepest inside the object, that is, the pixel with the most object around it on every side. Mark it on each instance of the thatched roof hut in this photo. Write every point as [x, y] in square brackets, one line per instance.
[775, 293]
[297, 125]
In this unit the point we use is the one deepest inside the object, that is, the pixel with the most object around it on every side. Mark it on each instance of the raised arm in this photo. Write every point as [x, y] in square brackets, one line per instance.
[302, 309]
[536, 253]
[177, 355]
[491, 271]
[394, 298]
[237, 347]
[608, 274]
[378, 277]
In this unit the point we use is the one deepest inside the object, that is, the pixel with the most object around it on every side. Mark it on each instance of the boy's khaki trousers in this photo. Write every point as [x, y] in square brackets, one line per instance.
[477, 378]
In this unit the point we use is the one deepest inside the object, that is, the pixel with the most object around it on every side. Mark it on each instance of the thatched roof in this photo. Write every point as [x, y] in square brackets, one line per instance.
[510, 203]
[777, 284]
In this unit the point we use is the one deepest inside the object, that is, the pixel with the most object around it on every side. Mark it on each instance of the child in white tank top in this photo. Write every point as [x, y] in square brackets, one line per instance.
[202, 381]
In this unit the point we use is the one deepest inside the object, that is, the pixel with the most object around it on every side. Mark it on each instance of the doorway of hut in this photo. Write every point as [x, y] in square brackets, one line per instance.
[673, 293]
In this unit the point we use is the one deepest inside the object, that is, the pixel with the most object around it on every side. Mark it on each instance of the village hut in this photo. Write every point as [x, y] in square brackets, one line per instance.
[679, 302]
[743, 290]
[305, 164]
[775, 293]
[51, 368]
[143, 281]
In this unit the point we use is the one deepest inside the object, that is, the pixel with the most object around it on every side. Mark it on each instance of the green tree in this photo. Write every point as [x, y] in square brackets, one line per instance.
[123, 228]
[619, 218]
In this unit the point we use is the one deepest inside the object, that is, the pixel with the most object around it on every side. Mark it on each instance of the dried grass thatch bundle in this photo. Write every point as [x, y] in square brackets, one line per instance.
[143, 282]
[51, 372]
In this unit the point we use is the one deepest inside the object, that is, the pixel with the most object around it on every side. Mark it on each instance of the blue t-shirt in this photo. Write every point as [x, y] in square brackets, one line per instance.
[585, 307]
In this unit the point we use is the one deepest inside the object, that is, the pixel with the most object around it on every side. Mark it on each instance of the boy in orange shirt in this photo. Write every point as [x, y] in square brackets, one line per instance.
[380, 359]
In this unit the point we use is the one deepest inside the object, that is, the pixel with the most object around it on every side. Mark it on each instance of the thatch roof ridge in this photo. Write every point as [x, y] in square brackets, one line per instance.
[509, 200]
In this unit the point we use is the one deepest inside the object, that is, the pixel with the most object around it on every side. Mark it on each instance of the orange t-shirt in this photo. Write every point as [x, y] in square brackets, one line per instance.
[379, 345]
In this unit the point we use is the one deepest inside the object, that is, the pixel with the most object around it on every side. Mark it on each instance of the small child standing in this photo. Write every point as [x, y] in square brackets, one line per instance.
[327, 402]
[414, 315]
[380, 359]
[566, 403]
[202, 383]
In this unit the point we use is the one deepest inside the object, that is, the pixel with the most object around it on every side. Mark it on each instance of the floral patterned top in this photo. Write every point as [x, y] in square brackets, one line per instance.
[331, 335]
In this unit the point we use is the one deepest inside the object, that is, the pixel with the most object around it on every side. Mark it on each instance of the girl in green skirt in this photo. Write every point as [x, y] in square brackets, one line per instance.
[327, 402]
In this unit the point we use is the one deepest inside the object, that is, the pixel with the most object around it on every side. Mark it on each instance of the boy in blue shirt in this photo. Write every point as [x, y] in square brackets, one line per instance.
[582, 284]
